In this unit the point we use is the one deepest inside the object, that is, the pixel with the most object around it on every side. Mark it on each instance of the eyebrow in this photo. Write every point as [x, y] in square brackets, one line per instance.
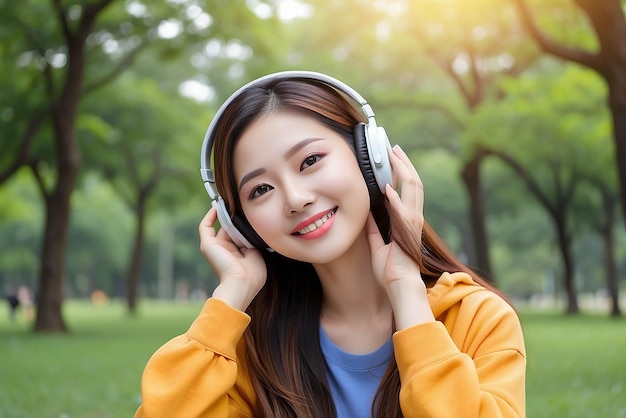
[291, 151]
[250, 176]
[288, 154]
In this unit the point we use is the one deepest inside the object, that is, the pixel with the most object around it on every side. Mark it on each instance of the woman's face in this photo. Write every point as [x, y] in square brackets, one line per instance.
[300, 187]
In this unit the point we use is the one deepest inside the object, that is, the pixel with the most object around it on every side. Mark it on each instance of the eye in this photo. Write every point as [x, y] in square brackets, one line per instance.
[310, 160]
[259, 191]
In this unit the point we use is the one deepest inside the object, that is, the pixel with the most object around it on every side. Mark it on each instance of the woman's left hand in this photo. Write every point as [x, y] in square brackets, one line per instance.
[398, 273]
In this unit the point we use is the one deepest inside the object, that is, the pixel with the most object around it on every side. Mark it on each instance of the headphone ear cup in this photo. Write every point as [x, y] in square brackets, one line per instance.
[228, 226]
[363, 158]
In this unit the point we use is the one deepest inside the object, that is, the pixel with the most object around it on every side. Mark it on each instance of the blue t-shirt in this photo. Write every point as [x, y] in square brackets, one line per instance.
[354, 378]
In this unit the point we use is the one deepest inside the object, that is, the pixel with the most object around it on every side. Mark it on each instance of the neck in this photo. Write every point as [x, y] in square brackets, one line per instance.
[356, 312]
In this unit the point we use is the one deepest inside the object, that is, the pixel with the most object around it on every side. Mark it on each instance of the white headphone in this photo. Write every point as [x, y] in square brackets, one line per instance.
[370, 141]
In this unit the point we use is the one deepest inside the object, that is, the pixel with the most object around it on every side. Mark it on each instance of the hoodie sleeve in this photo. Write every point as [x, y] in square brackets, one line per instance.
[196, 374]
[470, 364]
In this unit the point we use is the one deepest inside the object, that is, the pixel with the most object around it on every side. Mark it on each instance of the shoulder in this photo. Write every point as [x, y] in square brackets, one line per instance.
[476, 317]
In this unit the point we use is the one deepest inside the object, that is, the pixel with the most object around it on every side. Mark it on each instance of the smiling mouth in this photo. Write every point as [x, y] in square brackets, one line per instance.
[314, 225]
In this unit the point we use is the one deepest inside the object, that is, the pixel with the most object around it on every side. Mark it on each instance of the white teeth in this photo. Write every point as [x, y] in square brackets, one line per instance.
[316, 224]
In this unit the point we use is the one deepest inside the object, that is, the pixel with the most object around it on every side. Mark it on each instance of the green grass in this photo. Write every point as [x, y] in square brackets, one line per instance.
[576, 366]
[92, 372]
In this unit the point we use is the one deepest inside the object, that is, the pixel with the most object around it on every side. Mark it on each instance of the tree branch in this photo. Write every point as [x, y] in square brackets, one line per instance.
[532, 185]
[23, 157]
[124, 64]
[608, 20]
[447, 67]
[90, 13]
[47, 71]
[552, 47]
[62, 15]
[39, 179]
[430, 107]
[477, 96]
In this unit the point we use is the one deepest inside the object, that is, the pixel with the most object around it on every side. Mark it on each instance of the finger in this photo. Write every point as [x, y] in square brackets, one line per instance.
[208, 230]
[206, 224]
[411, 187]
[393, 197]
[404, 166]
[212, 242]
[410, 200]
[397, 151]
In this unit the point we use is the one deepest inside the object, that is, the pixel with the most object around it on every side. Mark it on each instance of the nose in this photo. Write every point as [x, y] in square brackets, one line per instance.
[297, 196]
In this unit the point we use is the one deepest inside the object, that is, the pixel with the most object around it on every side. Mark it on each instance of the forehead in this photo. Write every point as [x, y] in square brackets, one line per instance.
[273, 134]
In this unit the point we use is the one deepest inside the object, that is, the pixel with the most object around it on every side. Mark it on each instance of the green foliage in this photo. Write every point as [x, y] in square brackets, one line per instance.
[98, 240]
[137, 124]
[564, 22]
[445, 202]
[139, 134]
[19, 242]
[553, 124]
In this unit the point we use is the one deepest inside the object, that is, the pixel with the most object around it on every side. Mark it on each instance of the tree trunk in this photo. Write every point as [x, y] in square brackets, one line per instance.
[557, 212]
[610, 267]
[568, 265]
[478, 255]
[132, 275]
[610, 264]
[68, 159]
[52, 268]
[50, 287]
[617, 104]
[58, 202]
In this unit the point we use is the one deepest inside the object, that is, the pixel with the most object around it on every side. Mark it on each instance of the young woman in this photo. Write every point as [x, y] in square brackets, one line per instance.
[349, 305]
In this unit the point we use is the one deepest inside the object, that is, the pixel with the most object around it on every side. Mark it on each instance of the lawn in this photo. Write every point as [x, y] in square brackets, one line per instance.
[92, 372]
[576, 368]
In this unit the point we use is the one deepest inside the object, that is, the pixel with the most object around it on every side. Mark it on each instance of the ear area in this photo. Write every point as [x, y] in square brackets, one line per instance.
[227, 224]
[245, 230]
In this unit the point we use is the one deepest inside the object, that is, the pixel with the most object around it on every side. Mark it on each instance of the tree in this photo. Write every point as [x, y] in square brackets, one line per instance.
[97, 239]
[58, 54]
[604, 224]
[608, 61]
[157, 138]
[549, 149]
[472, 44]
[65, 92]
[475, 47]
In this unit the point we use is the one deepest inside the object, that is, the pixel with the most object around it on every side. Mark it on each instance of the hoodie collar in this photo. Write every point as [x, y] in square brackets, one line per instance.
[449, 289]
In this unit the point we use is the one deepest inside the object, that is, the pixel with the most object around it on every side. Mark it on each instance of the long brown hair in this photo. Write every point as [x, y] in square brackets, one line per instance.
[287, 367]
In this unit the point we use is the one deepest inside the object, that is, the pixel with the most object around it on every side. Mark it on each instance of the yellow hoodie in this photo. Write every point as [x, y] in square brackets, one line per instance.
[470, 363]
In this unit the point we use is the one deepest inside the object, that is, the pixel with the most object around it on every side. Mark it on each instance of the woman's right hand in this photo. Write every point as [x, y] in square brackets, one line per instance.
[241, 271]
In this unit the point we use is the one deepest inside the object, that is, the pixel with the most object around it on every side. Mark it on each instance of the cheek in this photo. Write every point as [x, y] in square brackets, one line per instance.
[348, 179]
[265, 221]
[261, 220]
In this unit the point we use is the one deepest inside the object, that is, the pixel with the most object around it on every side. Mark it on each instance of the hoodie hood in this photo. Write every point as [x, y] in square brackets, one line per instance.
[449, 290]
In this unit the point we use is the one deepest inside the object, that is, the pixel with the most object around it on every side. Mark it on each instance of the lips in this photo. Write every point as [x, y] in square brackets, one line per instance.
[310, 226]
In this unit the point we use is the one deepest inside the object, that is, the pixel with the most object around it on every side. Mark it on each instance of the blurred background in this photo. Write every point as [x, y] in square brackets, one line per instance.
[514, 113]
